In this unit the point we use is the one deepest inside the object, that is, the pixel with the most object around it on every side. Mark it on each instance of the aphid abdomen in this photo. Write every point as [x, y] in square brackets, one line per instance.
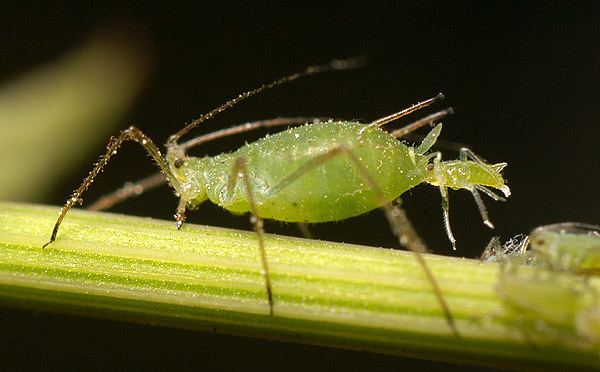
[331, 191]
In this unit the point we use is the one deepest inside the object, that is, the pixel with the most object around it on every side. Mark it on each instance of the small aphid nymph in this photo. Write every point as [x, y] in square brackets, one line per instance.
[318, 172]
[568, 246]
[551, 306]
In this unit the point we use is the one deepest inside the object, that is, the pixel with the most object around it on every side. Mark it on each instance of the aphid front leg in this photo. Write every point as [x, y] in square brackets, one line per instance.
[180, 213]
[437, 171]
[130, 134]
[240, 169]
[396, 217]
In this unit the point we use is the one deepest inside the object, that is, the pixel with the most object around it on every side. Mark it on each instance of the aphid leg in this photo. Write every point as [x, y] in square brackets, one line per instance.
[492, 250]
[239, 168]
[128, 191]
[136, 188]
[180, 213]
[335, 65]
[464, 155]
[437, 159]
[482, 208]
[406, 233]
[304, 230]
[393, 215]
[129, 134]
[489, 193]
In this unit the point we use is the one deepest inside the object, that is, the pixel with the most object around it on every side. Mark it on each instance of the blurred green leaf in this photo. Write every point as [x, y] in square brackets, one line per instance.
[50, 117]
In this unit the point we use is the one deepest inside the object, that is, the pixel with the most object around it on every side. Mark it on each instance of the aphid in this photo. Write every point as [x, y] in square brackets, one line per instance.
[568, 246]
[548, 303]
[553, 298]
[313, 173]
[587, 323]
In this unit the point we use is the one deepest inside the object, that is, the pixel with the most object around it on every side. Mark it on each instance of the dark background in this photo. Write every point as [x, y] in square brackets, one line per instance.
[523, 79]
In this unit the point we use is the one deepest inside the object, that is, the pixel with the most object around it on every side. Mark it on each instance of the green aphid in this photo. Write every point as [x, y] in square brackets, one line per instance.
[587, 324]
[544, 295]
[551, 305]
[313, 173]
[568, 246]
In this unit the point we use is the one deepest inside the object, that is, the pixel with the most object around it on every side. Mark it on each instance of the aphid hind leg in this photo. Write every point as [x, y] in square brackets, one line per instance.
[395, 216]
[128, 191]
[130, 134]
[464, 155]
[305, 230]
[136, 188]
[406, 232]
[240, 168]
[335, 65]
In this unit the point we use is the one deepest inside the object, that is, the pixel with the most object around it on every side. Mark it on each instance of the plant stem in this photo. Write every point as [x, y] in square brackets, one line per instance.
[207, 278]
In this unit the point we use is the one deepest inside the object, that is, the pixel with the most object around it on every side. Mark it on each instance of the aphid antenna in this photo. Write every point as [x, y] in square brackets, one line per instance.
[395, 116]
[335, 65]
[247, 127]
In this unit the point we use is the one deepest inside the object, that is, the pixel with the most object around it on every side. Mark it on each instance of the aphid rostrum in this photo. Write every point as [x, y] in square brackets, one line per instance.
[313, 173]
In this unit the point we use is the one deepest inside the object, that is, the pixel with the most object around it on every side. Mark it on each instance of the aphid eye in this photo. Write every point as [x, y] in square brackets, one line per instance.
[178, 163]
[540, 241]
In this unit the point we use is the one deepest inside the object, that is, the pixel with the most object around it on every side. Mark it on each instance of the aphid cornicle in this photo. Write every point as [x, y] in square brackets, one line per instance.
[313, 173]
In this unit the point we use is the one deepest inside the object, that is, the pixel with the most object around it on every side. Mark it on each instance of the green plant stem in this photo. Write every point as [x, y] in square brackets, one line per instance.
[207, 278]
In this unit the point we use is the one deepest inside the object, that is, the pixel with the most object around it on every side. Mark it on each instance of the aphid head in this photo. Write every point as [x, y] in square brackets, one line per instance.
[189, 171]
[568, 246]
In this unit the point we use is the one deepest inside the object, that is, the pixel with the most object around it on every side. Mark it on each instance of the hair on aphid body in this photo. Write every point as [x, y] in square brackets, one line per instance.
[325, 171]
